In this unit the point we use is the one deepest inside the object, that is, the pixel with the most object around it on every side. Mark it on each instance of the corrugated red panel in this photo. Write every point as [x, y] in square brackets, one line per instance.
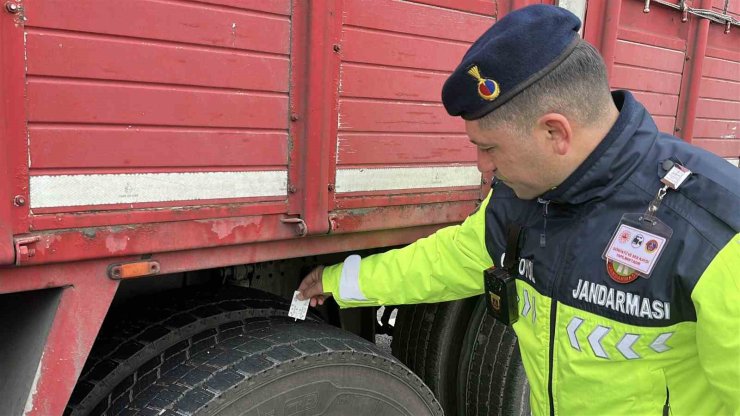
[484, 7]
[718, 109]
[105, 102]
[395, 59]
[361, 81]
[371, 46]
[105, 57]
[53, 146]
[649, 59]
[372, 148]
[655, 59]
[244, 27]
[363, 115]
[732, 7]
[142, 86]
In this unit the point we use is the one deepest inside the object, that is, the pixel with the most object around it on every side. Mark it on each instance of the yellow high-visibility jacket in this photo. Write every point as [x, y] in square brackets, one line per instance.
[590, 343]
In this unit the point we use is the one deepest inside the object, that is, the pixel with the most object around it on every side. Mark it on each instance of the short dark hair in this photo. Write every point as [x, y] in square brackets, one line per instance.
[577, 88]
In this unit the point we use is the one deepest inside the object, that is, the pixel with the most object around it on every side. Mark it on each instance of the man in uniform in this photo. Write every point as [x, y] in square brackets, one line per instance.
[629, 237]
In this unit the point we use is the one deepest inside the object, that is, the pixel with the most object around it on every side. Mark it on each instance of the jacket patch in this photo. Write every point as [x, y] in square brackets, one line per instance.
[621, 301]
[620, 273]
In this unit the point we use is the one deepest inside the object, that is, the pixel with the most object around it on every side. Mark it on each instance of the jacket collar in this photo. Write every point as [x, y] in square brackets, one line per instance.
[614, 159]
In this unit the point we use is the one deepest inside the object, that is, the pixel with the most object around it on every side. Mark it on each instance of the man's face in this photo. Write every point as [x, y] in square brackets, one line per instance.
[520, 161]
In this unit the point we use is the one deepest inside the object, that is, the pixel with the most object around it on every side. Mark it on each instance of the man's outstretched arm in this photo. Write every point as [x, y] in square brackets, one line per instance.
[445, 266]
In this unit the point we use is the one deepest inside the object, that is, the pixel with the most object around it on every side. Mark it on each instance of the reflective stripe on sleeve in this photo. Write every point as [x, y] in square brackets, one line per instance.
[349, 281]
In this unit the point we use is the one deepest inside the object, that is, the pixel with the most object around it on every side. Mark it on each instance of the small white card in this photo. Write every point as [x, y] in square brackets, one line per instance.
[635, 248]
[298, 308]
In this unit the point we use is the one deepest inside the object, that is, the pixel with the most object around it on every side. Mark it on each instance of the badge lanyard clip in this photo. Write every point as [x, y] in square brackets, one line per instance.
[675, 177]
[640, 239]
[652, 208]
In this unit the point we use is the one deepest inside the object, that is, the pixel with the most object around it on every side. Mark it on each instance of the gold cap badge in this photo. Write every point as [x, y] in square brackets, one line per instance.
[488, 89]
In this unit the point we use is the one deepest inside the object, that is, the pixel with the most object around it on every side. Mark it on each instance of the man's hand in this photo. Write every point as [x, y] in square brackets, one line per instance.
[311, 287]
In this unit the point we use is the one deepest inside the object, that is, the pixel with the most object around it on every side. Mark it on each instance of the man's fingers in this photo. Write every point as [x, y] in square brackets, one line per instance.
[307, 282]
[312, 288]
[312, 278]
[317, 300]
[310, 292]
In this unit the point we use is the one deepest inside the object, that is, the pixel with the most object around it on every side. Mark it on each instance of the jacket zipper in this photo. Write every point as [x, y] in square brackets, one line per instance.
[553, 310]
[667, 405]
[543, 236]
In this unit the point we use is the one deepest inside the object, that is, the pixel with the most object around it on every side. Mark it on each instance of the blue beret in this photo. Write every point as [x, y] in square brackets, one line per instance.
[513, 54]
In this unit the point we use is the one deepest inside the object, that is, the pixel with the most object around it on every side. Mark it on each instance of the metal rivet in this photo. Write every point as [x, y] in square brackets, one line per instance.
[337, 47]
[292, 189]
[12, 7]
[331, 187]
[19, 201]
[294, 117]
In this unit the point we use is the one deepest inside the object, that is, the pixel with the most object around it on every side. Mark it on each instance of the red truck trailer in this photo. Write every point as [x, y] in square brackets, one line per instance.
[170, 169]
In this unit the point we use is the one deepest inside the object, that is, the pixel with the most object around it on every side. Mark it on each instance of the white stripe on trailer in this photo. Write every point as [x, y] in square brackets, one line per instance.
[103, 189]
[734, 161]
[384, 179]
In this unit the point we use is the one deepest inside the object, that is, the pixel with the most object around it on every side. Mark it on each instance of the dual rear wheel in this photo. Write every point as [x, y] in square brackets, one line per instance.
[233, 351]
[469, 360]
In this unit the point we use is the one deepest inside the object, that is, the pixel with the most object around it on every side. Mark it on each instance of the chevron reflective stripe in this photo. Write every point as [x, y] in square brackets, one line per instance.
[527, 305]
[594, 339]
[572, 327]
[625, 346]
[659, 344]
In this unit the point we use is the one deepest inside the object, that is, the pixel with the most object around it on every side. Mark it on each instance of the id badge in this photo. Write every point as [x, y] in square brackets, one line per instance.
[636, 246]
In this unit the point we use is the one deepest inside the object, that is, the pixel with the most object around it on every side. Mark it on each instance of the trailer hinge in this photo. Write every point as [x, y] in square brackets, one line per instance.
[302, 229]
[333, 224]
[22, 249]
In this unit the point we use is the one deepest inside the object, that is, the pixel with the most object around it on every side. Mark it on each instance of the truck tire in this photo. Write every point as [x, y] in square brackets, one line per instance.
[428, 339]
[233, 350]
[491, 371]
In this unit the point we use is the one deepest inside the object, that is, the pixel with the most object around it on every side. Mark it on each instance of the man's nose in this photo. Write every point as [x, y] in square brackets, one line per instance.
[485, 164]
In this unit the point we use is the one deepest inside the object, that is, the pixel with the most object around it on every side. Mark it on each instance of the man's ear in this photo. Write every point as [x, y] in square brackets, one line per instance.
[558, 130]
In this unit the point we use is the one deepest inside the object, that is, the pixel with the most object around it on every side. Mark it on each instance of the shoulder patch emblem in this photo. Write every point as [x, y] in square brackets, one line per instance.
[488, 89]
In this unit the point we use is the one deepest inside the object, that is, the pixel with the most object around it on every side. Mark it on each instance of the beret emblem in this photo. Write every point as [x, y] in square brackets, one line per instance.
[488, 89]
